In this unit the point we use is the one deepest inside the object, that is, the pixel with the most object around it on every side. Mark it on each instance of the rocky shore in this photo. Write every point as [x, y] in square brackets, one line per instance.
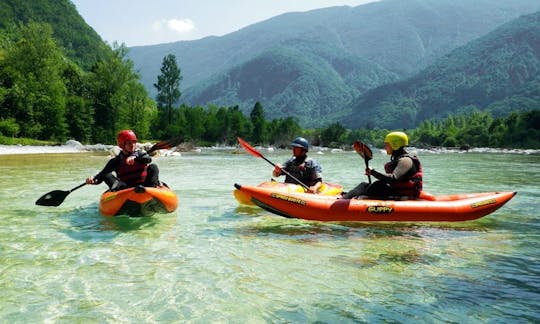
[72, 146]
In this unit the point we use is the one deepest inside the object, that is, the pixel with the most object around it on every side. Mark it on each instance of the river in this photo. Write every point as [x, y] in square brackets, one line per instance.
[215, 261]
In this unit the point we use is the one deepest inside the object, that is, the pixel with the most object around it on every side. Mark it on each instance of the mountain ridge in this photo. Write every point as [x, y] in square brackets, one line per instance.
[494, 72]
[387, 34]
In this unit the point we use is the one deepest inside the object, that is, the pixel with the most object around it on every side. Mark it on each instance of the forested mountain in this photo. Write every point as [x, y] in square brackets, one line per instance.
[78, 40]
[324, 58]
[59, 80]
[499, 72]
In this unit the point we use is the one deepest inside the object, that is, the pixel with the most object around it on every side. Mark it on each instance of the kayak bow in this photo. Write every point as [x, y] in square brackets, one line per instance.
[138, 201]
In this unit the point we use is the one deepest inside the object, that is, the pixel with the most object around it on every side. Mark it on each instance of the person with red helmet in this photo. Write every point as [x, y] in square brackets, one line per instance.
[133, 167]
[301, 167]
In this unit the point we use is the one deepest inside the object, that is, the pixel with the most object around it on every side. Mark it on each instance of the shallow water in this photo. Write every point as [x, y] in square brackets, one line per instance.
[213, 261]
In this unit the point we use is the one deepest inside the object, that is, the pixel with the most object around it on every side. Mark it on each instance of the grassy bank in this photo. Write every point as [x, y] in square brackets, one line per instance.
[4, 140]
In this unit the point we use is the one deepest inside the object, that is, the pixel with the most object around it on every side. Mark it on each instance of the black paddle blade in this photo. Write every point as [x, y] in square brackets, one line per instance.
[53, 198]
[165, 145]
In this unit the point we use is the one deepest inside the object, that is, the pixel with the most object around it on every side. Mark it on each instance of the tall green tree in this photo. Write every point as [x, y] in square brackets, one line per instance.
[79, 112]
[168, 90]
[34, 92]
[136, 110]
[109, 84]
[283, 130]
[258, 122]
[334, 133]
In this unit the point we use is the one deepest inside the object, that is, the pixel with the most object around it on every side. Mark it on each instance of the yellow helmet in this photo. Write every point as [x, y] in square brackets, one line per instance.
[397, 140]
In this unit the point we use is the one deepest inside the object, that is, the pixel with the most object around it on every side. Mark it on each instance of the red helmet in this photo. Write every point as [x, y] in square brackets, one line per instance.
[125, 135]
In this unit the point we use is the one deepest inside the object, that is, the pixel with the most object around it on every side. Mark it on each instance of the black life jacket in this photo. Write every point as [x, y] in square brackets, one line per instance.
[411, 184]
[304, 169]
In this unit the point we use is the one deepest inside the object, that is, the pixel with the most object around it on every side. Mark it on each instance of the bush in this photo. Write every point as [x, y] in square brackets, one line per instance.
[9, 127]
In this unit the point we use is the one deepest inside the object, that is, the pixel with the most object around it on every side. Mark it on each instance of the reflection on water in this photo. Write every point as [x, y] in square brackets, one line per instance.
[215, 261]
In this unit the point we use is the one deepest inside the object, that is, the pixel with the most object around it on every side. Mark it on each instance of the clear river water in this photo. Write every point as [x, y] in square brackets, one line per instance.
[215, 261]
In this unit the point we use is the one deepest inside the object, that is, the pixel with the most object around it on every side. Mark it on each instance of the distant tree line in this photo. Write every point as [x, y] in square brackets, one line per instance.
[46, 96]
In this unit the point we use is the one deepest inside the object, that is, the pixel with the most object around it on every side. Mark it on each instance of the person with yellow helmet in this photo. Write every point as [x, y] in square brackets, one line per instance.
[402, 176]
[301, 167]
[132, 167]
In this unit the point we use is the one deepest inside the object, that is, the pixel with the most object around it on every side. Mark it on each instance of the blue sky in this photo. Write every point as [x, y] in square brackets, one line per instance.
[138, 22]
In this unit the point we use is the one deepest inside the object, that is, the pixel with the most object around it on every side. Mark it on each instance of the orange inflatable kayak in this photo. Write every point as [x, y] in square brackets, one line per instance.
[138, 201]
[327, 189]
[444, 208]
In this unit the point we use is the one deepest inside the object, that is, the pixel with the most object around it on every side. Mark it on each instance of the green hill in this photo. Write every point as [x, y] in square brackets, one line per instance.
[79, 41]
[354, 49]
[293, 82]
[499, 72]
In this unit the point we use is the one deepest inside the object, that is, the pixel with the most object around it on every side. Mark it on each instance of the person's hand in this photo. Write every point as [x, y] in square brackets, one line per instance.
[130, 160]
[313, 190]
[277, 169]
[368, 171]
[90, 180]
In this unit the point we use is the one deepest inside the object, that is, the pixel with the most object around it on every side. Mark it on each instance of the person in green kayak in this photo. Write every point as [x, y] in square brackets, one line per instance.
[300, 166]
[402, 176]
[132, 167]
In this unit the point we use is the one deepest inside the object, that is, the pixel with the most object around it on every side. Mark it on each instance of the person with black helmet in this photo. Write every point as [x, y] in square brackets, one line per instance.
[402, 176]
[132, 166]
[300, 166]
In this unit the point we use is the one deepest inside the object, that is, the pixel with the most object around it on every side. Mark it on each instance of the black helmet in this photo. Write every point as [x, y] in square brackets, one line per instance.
[301, 142]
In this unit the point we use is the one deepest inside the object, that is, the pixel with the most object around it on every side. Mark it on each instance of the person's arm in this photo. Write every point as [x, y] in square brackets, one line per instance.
[112, 165]
[316, 187]
[403, 167]
[317, 175]
[277, 170]
[143, 157]
[278, 167]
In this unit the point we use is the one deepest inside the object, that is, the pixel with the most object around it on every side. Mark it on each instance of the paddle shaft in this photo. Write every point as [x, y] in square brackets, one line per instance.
[365, 152]
[256, 153]
[79, 186]
[367, 166]
[56, 197]
[288, 174]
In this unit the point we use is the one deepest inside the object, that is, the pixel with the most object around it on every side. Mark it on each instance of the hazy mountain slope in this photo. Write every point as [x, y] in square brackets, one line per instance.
[499, 72]
[401, 36]
[301, 78]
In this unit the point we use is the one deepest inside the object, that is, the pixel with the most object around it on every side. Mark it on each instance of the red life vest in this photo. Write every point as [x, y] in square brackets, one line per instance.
[409, 185]
[132, 175]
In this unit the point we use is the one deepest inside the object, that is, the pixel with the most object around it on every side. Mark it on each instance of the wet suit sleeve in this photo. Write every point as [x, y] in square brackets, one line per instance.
[143, 157]
[286, 166]
[317, 170]
[111, 166]
[404, 167]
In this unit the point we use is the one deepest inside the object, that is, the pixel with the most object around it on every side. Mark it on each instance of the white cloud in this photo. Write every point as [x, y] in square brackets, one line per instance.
[177, 25]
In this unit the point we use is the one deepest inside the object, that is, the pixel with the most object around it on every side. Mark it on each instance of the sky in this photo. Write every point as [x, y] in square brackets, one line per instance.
[144, 22]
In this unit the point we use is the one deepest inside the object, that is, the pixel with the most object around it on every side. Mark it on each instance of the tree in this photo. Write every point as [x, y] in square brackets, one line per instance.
[333, 134]
[136, 109]
[168, 87]
[282, 130]
[259, 124]
[79, 112]
[34, 92]
[109, 84]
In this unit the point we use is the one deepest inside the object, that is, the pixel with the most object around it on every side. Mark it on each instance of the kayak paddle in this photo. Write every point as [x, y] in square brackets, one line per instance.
[365, 152]
[256, 153]
[56, 197]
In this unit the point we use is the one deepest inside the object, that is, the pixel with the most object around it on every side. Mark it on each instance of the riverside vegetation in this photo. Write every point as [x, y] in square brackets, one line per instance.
[50, 92]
